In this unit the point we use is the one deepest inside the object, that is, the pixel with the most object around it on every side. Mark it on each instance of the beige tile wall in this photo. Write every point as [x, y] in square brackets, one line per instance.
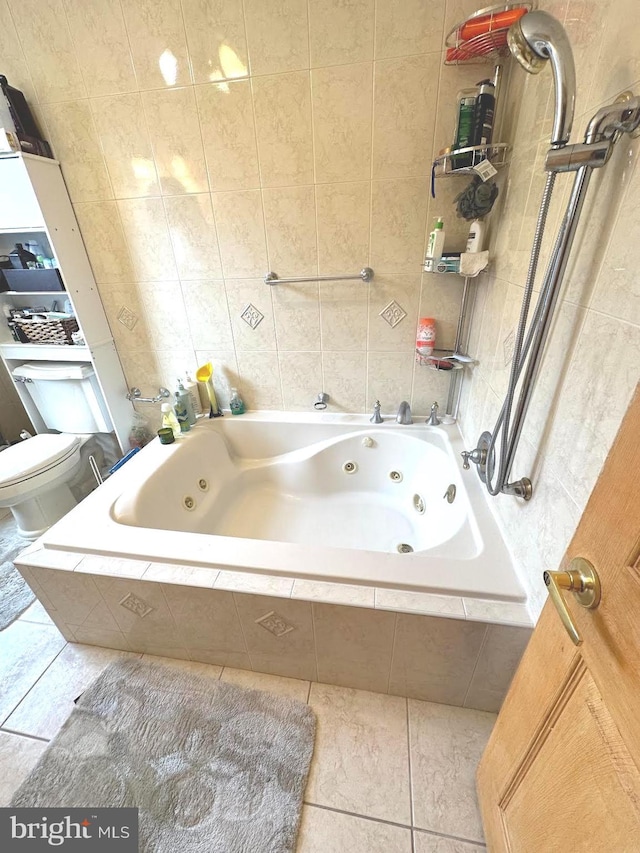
[591, 366]
[205, 142]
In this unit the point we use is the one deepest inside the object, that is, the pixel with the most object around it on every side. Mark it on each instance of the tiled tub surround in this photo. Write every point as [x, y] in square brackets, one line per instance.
[270, 493]
[352, 636]
[336, 615]
[206, 142]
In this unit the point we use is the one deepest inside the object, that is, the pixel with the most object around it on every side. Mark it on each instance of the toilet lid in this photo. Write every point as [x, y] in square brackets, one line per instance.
[34, 455]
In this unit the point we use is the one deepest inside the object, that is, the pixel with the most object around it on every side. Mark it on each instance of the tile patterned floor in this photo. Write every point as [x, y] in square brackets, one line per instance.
[389, 775]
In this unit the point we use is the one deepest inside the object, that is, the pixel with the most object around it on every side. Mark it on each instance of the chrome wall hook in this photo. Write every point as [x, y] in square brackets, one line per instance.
[134, 394]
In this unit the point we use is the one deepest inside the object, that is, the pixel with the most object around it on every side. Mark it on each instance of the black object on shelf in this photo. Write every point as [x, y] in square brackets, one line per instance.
[484, 113]
[26, 281]
[20, 258]
[16, 115]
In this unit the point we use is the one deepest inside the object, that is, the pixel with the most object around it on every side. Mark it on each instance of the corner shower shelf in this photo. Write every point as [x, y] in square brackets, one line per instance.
[482, 37]
[444, 166]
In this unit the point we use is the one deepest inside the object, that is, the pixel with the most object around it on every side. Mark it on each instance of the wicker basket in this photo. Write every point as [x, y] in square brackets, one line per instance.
[48, 331]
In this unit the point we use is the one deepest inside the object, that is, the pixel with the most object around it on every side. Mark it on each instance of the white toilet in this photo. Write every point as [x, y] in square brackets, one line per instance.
[35, 473]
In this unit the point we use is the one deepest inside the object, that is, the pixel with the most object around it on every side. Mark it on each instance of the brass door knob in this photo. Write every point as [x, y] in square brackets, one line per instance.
[582, 580]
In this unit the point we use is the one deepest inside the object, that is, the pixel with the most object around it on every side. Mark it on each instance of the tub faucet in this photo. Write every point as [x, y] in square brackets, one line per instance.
[433, 419]
[376, 417]
[404, 413]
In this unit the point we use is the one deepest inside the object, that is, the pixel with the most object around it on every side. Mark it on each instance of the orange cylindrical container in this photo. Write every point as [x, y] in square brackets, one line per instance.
[426, 335]
[488, 23]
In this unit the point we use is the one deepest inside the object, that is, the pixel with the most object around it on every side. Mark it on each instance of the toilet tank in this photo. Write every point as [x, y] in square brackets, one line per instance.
[66, 394]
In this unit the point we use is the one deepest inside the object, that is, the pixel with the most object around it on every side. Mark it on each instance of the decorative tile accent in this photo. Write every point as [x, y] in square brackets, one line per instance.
[393, 313]
[252, 316]
[136, 605]
[275, 624]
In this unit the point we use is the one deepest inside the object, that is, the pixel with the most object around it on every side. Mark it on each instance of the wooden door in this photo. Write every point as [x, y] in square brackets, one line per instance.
[561, 771]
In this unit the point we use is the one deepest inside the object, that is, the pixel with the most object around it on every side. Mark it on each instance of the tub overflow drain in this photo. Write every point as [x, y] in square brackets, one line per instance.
[349, 467]
[403, 548]
[396, 476]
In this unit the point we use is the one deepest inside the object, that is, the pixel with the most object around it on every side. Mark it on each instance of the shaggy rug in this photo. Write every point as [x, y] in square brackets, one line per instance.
[210, 766]
[15, 595]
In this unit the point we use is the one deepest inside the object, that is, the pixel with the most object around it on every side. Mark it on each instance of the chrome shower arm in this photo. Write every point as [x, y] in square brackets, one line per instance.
[603, 131]
[623, 116]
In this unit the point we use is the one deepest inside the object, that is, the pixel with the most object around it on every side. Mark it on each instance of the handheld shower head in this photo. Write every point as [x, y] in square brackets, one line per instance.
[536, 38]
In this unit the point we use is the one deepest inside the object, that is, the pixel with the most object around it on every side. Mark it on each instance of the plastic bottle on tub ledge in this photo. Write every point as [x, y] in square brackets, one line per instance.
[236, 403]
[185, 398]
[192, 388]
[169, 419]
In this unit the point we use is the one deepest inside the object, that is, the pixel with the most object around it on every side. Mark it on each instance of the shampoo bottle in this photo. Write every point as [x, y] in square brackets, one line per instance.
[183, 395]
[169, 419]
[192, 389]
[436, 242]
[475, 241]
[484, 113]
[181, 414]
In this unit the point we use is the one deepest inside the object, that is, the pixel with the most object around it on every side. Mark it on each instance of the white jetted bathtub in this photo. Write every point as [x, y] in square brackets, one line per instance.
[325, 497]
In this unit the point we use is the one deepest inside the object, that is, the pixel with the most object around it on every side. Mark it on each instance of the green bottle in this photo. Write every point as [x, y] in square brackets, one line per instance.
[182, 415]
[236, 403]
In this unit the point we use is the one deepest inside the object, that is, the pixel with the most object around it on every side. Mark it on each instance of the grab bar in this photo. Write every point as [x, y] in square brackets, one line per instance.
[365, 274]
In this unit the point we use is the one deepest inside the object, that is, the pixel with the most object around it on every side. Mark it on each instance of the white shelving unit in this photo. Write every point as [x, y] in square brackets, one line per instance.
[34, 201]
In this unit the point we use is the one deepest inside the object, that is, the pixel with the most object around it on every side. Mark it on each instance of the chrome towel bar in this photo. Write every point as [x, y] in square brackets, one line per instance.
[365, 274]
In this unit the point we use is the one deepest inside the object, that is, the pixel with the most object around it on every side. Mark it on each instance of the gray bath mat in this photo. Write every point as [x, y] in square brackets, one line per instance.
[210, 766]
[15, 595]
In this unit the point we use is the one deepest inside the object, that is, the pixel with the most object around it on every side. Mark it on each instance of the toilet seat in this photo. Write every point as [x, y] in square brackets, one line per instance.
[35, 456]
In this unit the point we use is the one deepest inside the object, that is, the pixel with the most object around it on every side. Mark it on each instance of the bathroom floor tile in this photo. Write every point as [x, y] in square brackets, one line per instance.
[361, 761]
[36, 613]
[50, 701]
[425, 842]
[17, 756]
[324, 830]
[26, 650]
[446, 745]
[294, 688]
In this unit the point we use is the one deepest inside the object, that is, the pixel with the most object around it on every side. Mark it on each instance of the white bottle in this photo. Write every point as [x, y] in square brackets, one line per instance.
[435, 245]
[475, 240]
[170, 420]
[191, 388]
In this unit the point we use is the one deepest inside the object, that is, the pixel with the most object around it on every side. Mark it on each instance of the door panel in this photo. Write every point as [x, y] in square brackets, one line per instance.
[578, 740]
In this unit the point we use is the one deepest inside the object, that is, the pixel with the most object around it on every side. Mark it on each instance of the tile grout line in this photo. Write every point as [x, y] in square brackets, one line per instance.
[357, 814]
[24, 695]
[480, 651]
[411, 792]
[24, 735]
[453, 837]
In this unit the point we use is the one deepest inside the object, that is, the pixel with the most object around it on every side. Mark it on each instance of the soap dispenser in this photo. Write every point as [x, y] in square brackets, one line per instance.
[236, 403]
[186, 399]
